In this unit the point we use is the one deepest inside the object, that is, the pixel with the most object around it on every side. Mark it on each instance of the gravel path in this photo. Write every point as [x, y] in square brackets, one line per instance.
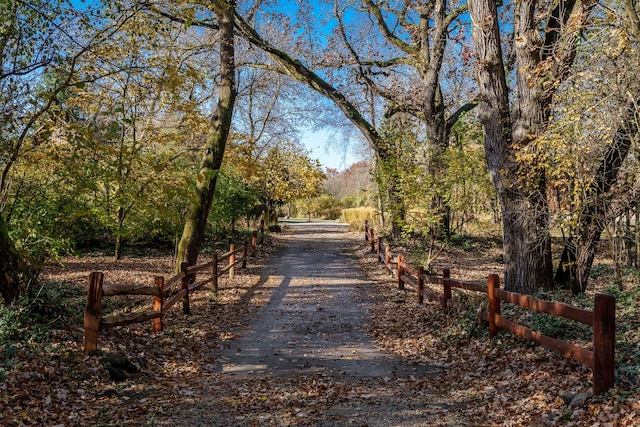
[314, 321]
[307, 359]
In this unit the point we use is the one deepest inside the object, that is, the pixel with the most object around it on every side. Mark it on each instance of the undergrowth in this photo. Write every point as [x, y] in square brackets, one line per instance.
[32, 323]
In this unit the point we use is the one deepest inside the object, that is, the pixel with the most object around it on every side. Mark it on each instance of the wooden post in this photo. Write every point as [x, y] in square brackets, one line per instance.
[158, 300]
[244, 254]
[420, 285]
[494, 303]
[232, 260]
[186, 309]
[93, 311]
[446, 289]
[214, 274]
[400, 262]
[604, 343]
[372, 240]
[366, 230]
[254, 240]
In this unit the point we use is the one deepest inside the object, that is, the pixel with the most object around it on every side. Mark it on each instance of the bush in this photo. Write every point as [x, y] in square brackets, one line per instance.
[357, 216]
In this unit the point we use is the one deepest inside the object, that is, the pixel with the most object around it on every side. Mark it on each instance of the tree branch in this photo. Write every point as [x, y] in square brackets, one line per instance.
[388, 34]
[453, 119]
[295, 69]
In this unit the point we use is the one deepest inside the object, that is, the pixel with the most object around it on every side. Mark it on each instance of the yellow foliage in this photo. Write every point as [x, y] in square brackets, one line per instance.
[357, 216]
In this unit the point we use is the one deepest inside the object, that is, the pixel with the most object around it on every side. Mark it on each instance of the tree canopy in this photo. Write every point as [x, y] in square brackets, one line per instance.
[119, 119]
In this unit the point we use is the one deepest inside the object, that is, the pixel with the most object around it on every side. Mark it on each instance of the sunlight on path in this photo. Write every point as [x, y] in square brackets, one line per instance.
[314, 321]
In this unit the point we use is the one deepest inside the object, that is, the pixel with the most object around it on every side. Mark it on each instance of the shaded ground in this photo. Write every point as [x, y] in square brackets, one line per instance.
[239, 358]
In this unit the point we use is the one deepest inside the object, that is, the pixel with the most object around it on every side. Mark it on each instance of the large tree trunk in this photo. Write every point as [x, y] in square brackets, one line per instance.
[198, 213]
[541, 66]
[574, 269]
[524, 245]
[10, 265]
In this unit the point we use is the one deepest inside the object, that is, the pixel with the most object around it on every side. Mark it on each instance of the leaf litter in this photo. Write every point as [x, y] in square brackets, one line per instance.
[504, 381]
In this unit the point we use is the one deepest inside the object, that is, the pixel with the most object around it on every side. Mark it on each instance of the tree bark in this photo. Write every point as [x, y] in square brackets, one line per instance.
[198, 211]
[117, 253]
[573, 272]
[541, 66]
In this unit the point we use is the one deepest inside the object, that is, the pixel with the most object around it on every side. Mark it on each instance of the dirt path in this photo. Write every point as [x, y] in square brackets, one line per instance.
[307, 359]
[314, 321]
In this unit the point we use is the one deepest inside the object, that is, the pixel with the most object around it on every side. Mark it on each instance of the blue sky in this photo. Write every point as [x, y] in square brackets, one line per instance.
[321, 147]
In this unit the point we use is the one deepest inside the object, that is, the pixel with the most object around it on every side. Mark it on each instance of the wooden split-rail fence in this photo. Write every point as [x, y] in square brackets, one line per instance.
[601, 359]
[161, 291]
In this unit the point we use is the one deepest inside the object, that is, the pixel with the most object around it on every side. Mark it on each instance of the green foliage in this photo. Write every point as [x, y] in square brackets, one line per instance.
[560, 328]
[627, 334]
[462, 325]
[39, 310]
[28, 324]
[233, 200]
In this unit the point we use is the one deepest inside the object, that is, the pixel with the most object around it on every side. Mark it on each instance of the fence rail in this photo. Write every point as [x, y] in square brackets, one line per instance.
[161, 291]
[601, 359]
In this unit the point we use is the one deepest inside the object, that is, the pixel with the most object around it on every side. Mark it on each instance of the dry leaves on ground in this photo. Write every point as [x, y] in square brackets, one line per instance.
[45, 379]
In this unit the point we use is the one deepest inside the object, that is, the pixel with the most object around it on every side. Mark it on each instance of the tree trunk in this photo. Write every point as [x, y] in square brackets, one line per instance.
[542, 64]
[527, 242]
[397, 210]
[117, 253]
[200, 204]
[582, 246]
[10, 265]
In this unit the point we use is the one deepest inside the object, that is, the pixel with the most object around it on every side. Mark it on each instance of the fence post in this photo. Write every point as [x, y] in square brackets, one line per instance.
[214, 274]
[420, 285]
[494, 303]
[446, 289]
[244, 254]
[400, 262]
[254, 240]
[232, 260]
[158, 301]
[604, 340]
[93, 311]
[366, 230]
[372, 239]
[186, 309]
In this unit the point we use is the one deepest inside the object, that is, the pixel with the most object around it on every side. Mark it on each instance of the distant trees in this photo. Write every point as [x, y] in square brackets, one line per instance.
[353, 187]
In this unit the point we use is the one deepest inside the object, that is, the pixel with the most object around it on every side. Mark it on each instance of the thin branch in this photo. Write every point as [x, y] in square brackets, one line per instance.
[388, 34]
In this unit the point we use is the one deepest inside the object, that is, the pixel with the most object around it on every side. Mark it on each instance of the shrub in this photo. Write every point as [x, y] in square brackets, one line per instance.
[357, 216]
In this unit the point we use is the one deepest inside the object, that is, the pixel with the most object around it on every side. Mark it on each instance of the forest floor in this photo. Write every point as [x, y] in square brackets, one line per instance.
[187, 374]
